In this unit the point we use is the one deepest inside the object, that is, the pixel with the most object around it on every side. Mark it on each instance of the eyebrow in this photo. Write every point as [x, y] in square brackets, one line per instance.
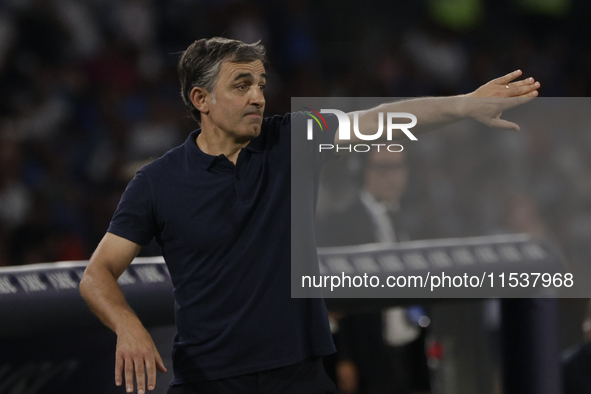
[248, 75]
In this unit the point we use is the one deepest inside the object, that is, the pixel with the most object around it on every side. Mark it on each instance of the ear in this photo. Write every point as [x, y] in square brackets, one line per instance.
[198, 96]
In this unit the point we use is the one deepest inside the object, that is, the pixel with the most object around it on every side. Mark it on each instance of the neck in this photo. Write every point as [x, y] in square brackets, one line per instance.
[215, 143]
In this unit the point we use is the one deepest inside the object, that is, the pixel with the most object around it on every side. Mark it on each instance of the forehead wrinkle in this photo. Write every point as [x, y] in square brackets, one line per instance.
[262, 77]
[243, 75]
[250, 72]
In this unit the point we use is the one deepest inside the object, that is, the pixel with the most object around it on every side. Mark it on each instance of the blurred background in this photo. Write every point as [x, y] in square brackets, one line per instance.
[90, 94]
[89, 90]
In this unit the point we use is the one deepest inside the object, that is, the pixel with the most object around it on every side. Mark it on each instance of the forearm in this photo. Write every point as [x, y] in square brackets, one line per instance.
[485, 104]
[136, 352]
[105, 299]
[431, 113]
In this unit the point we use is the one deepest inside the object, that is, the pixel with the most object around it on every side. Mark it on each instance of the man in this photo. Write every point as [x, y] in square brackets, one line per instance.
[219, 206]
[375, 209]
[377, 352]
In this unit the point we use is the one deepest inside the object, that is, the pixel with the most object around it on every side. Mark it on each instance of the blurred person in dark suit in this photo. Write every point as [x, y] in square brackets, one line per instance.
[384, 351]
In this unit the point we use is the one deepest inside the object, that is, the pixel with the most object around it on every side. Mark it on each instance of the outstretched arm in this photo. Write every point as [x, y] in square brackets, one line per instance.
[485, 104]
[136, 351]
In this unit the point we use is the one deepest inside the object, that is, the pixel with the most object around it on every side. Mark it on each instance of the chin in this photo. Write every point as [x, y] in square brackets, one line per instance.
[254, 129]
[250, 133]
[256, 133]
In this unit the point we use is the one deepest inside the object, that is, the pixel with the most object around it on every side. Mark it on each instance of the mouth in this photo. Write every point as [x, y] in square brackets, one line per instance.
[254, 114]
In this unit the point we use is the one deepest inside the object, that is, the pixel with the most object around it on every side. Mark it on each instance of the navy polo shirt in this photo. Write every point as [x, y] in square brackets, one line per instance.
[225, 236]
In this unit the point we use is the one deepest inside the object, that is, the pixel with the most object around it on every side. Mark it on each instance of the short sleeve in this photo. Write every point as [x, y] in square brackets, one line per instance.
[134, 218]
[320, 148]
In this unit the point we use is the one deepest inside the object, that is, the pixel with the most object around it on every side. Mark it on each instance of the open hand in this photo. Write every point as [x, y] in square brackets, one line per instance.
[487, 103]
[505, 87]
[136, 353]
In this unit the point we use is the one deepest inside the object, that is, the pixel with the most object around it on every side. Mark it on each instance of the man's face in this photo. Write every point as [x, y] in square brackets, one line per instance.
[385, 175]
[237, 103]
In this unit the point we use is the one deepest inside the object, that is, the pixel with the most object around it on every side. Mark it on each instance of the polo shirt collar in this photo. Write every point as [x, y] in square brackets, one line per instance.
[196, 155]
[206, 161]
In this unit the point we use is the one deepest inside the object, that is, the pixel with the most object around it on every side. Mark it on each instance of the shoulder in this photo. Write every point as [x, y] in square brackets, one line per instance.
[277, 123]
[300, 118]
[275, 132]
[287, 120]
[171, 159]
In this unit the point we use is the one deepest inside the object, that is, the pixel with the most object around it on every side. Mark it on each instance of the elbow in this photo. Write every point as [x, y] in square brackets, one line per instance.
[84, 285]
[87, 283]
[93, 280]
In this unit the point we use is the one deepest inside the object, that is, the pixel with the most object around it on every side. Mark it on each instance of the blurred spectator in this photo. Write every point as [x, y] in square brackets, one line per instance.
[15, 197]
[522, 216]
[377, 352]
[89, 90]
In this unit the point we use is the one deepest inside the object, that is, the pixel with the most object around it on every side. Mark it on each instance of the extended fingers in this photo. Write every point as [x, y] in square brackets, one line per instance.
[159, 362]
[530, 94]
[503, 87]
[524, 82]
[140, 373]
[137, 358]
[502, 124]
[522, 88]
[505, 79]
[151, 371]
[128, 371]
[119, 364]
[139, 365]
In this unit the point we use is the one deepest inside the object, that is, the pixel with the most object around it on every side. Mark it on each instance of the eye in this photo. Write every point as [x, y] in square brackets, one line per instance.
[262, 86]
[241, 87]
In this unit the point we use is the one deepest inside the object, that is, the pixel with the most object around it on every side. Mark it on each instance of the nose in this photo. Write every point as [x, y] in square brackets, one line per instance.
[257, 98]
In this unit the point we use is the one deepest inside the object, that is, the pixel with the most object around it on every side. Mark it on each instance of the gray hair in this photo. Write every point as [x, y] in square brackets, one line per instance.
[200, 64]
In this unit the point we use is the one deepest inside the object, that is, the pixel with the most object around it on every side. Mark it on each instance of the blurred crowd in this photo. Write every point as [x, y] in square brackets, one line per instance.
[90, 93]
